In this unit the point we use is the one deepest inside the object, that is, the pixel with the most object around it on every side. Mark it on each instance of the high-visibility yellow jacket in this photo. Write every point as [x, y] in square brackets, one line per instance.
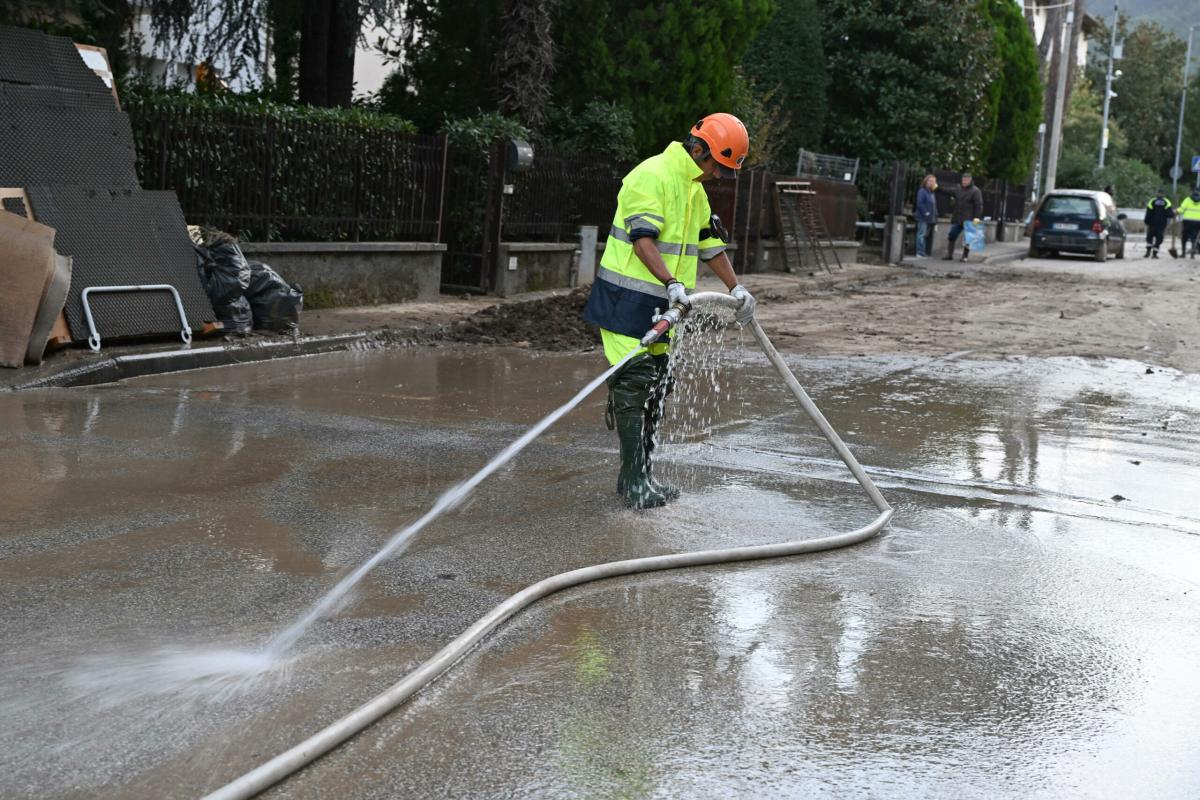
[1189, 210]
[660, 198]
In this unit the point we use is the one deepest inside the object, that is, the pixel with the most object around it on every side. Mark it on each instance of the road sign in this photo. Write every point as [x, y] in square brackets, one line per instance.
[1195, 163]
[1176, 173]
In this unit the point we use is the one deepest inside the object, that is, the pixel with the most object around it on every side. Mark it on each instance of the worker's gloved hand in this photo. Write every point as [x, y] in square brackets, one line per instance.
[745, 312]
[676, 293]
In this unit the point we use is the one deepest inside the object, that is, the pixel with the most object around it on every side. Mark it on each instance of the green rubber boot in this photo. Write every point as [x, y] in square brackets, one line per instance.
[629, 394]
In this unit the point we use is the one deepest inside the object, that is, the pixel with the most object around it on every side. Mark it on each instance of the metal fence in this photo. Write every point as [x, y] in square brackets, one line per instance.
[821, 165]
[561, 192]
[302, 180]
[880, 184]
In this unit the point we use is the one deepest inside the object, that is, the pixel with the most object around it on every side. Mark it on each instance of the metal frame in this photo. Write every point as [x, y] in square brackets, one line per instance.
[185, 331]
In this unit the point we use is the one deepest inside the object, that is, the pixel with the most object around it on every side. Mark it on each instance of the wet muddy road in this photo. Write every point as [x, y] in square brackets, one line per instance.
[1019, 631]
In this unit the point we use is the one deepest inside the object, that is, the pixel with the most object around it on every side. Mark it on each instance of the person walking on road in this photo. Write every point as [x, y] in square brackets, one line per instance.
[968, 207]
[1189, 212]
[1158, 214]
[926, 214]
[662, 229]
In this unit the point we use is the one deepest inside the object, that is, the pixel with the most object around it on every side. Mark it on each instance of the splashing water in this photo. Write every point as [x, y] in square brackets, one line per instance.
[698, 359]
[203, 674]
[404, 537]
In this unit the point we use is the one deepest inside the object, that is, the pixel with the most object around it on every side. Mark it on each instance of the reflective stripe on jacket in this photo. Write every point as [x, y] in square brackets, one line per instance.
[1158, 212]
[662, 199]
[1189, 209]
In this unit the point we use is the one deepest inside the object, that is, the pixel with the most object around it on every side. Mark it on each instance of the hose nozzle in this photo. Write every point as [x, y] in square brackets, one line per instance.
[664, 322]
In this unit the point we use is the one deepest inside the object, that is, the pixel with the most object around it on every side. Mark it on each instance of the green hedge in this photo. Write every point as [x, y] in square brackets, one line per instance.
[267, 171]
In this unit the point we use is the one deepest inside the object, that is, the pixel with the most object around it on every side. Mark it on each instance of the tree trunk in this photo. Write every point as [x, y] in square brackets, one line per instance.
[285, 46]
[314, 52]
[343, 38]
[525, 60]
[1076, 38]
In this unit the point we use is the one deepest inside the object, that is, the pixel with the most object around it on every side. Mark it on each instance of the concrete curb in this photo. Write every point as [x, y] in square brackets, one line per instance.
[136, 365]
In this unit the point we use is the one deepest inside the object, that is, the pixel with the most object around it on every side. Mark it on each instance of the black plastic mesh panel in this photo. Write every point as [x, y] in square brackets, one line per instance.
[118, 237]
[51, 136]
[14, 205]
[32, 57]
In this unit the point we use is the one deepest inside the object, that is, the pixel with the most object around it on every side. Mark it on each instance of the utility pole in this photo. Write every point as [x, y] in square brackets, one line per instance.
[1108, 82]
[1177, 171]
[1037, 172]
[1060, 94]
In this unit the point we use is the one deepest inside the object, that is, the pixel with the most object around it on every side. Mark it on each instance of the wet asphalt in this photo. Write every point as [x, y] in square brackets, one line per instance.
[1029, 626]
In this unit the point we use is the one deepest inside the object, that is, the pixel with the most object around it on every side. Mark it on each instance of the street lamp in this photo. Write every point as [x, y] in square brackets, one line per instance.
[1176, 171]
[1109, 94]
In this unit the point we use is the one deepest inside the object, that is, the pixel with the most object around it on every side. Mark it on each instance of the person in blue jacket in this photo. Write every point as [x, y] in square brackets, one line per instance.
[926, 214]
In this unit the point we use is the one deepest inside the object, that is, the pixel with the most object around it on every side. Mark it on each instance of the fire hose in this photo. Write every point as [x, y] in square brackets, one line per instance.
[312, 748]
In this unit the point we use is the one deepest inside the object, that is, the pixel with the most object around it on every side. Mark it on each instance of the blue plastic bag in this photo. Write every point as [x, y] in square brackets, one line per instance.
[973, 236]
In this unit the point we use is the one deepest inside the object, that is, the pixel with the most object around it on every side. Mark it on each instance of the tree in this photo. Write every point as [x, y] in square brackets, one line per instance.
[1131, 180]
[525, 62]
[669, 62]
[1014, 107]
[787, 61]
[1147, 101]
[910, 80]
[315, 40]
[447, 58]
[770, 143]
[329, 31]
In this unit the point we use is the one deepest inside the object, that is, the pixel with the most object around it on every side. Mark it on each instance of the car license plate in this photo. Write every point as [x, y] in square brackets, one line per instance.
[1065, 226]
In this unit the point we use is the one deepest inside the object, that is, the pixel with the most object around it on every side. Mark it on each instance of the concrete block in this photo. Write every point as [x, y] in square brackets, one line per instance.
[336, 274]
[533, 267]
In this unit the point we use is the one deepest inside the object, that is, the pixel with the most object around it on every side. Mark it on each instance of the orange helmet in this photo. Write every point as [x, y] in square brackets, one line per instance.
[727, 140]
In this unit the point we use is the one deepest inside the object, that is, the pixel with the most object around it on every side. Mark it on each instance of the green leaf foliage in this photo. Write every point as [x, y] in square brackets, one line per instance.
[144, 97]
[599, 127]
[447, 62]
[669, 62]
[480, 130]
[1129, 178]
[909, 80]
[765, 121]
[1147, 101]
[1015, 97]
[787, 61]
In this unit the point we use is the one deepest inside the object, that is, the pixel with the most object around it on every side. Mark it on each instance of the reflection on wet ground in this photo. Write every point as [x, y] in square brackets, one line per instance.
[1028, 627]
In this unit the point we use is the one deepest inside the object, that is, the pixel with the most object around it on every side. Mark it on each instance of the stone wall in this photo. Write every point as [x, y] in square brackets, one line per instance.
[355, 273]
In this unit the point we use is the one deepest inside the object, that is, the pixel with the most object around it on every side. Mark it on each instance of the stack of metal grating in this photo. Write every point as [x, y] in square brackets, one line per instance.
[67, 160]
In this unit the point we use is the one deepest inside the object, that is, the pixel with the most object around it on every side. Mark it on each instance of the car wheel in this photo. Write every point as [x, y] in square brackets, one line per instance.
[1102, 252]
[1036, 252]
[1052, 253]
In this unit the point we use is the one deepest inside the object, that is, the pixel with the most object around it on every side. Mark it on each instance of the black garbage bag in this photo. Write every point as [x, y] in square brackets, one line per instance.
[236, 316]
[223, 270]
[275, 302]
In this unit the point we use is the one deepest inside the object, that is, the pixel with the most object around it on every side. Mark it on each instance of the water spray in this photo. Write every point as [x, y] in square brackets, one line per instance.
[284, 764]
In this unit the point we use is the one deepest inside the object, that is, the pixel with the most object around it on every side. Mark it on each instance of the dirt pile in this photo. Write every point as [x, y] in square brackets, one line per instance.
[552, 323]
